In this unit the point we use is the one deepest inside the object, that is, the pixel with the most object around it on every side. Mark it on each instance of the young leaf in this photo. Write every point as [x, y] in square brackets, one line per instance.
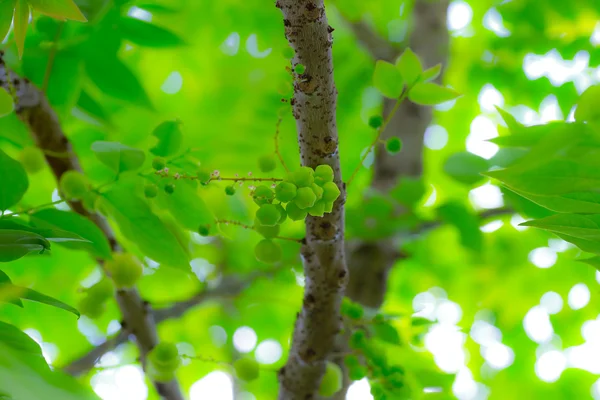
[14, 181]
[386, 332]
[169, 138]
[97, 246]
[594, 262]
[53, 235]
[29, 350]
[92, 9]
[20, 22]
[30, 294]
[5, 280]
[465, 221]
[579, 226]
[15, 244]
[466, 167]
[510, 121]
[146, 34]
[6, 15]
[575, 203]
[187, 207]
[59, 9]
[430, 94]
[91, 107]
[387, 79]
[7, 104]
[409, 66]
[587, 106]
[431, 74]
[141, 226]
[117, 156]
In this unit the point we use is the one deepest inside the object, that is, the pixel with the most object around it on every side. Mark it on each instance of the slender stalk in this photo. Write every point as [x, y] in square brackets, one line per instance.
[52, 56]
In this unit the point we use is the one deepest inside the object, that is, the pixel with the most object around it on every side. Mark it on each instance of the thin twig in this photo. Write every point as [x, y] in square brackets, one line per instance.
[228, 222]
[277, 127]
[29, 210]
[52, 56]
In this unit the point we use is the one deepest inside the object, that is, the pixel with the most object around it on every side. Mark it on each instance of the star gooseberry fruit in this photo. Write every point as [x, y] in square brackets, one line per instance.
[323, 173]
[32, 159]
[246, 369]
[267, 251]
[158, 163]
[332, 380]
[163, 361]
[150, 190]
[294, 212]
[267, 163]
[73, 184]
[305, 198]
[285, 192]
[263, 195]
[330, 192]
[268, 215]
[267, 231]
[303, 177]
[124, 270]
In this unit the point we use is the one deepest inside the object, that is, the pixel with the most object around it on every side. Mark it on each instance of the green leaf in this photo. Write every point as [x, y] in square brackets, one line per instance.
[91, 107]
[594, 262]
[157, 8]
[557, 177]
[141, 226]
[466, 167]
[387, 79]
[20, 23]
[20, 342]
[5, 280]
[431, 74]
[146, 34]
[409, 66]
[59, 9]
[589, 246]
[53, 235]
[587, 106]
[7, 104]
[187, 207]
[465, 221]
[15, 244]
[115, 79]
[30, 294]
[387, 333]
[510, 121]
[118, 157]
[420, 321]
[408, 191]
[430, 94]
[14, 181]
[93, 9]
[576, 202]
[169, 138]
[585, 227]
[6, 15]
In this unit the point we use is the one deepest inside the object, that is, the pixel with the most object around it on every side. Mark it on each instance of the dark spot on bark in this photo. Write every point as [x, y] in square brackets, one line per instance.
[311, 6]
[278, 4]
[329, 145]
[330, 29]
[342, 273]
[287, 23]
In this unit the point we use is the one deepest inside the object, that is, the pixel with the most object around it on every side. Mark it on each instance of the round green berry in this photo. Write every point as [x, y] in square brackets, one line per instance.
[294, 212]
[375, 121]
[203, 176]
[73, 184]
[101, 290]
[169, 188]
[357, 372]
[263, 195]
[358, 340]
[268, 215]
[282, 213]
[318, 190]
[305, 198]
[124, 270]
[90, 307]
[230, 190]
[204, 230]
[285, 192]
[163, 361]
[303, 177]
[267, 231]
[323, 174]
[318, 209]
[327, 206]
[159, 163]
[32, 159]
[300, 69]
[267, 251]
[150, 190]
[332, 380]
[246, 369]
[393, 145]
[267, 163]
[331, 192]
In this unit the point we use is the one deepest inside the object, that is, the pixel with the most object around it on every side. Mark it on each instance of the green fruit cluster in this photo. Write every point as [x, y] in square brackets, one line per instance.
[163, 362]
[93, 304]
[124, 270]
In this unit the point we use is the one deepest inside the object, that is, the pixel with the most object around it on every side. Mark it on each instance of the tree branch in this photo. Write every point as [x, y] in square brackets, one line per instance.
[33, 108]
[378, 47]
[86, 362]
[314, 107]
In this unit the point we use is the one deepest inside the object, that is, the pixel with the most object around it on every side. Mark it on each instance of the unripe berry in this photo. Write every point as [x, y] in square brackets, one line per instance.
[163, 361]
[358, 340]
[303, 177]
[263, 195]
[288, 52]
[32, 159]
[375, 121]
[318, 190]
[268, 215]
[150, 190]
[357, 372]
[393, 145]
[282, 213]
[267, 251]
[285, 192]
[230, 190]
[90, 307]
[294, 212]
[204, 230]
[169, 188]
[323, 174]
[267, 231]
[124, 270]
[318, 209]
[203, 176]
[332, 380]
[73, 185]
[331, 192]
[267, 163]
[101, 290]
[246, 369]
[327, 206]
[300, 69]
[158, 163]
[305, 198]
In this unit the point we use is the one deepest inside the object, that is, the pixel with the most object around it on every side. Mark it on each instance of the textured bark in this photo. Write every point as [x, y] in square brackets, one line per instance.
[370, 262]
[33, 109]
[314, 108]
